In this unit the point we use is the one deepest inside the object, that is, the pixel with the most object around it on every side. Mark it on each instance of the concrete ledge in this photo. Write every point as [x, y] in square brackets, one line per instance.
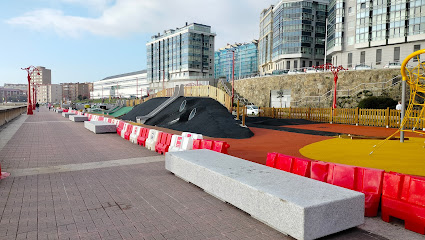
[78, 118]
[100, 127]
[67, 114]
[59, 110]
[300, 207]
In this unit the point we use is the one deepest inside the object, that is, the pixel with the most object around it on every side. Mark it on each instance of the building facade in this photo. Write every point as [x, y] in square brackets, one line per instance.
[245, 63]
[49, 93]
[374, 32]
[42, 76]
[76, 91]
[12, 94]
[299, 29]
[181, 55]
[23, 87]
[265, 41]
[128, 85]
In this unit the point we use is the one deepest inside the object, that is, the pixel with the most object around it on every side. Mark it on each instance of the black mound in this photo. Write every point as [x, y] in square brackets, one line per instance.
[211, 119]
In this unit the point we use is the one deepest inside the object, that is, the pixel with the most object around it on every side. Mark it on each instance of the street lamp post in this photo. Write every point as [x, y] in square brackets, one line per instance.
[326, 38]
[30, 70]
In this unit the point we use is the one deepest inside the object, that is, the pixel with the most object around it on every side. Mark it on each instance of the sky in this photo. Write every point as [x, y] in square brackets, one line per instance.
[88, 40]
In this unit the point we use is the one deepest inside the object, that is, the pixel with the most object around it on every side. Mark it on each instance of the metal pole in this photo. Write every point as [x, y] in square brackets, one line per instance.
[137, 87]
[233, 78]
[326, 38]
[403, 106]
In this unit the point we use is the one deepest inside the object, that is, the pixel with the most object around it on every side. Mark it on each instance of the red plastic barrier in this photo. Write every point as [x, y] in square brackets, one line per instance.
[207, 144]
[109, 120]
[120, 127]
[101, 118]
[196, 144]
[301, 167]
[319, 171]
[89, 116]
[403, 198]
[128, 132]
[141, 140]
[3, 174]
[284, 162]
[271, 159]
[164, 144]
[220, 146]
[342, 175]
[369, 182]
[161, 139]
[65, 110]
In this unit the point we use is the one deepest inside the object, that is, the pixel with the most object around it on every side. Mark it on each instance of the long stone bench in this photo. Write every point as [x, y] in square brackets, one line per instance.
[67, 114]
[100, 127]
[297, 206]
[78, 118]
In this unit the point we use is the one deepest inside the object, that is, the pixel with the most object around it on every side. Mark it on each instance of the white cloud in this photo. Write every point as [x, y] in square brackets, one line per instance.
[233, 21]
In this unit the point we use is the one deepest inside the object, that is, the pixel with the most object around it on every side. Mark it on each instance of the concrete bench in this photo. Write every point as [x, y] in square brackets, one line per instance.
[59, 110]
[67, 114]
[78, 118]
[297, 206]
[100, 127]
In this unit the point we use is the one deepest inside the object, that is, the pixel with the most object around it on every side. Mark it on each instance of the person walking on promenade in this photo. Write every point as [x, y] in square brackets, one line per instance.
[398, 106]
[37, 106]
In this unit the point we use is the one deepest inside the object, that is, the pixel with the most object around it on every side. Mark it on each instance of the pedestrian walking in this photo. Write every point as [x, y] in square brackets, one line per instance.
[37, 106]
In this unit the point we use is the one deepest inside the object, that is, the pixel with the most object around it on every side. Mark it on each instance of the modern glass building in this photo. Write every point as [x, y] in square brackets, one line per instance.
[245, 64]
[265, 42]
[299, 29]
[185, 53]
[127, 85]
[374, 32]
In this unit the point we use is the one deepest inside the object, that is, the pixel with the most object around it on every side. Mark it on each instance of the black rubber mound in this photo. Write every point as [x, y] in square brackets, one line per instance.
[211, 119]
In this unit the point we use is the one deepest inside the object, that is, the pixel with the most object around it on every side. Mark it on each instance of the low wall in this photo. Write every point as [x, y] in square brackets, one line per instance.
[257, 90]
[9, 113]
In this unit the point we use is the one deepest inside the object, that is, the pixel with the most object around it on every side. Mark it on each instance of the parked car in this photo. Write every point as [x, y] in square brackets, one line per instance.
[393, 65]
[310, 70]
[362, 67]
[251, 110]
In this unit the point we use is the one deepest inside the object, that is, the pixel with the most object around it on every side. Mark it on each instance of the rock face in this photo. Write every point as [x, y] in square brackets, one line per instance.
[352, 87]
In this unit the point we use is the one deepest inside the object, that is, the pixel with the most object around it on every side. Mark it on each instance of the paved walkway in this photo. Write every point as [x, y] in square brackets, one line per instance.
[68, 183]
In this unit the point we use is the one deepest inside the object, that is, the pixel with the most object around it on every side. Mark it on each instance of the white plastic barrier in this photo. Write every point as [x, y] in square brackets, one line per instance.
[95, 118]
[152, 139]
[124, 129]
[192, 135]
[180, 143]
[105, 119]
[135, 134]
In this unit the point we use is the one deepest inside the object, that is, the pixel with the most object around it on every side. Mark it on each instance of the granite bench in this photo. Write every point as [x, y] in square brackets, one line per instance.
[297, 206]
[100, 127]
[78, 118]
[67, 114]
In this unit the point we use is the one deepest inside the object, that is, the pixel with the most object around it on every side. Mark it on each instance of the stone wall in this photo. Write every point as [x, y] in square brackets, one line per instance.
[257, 90]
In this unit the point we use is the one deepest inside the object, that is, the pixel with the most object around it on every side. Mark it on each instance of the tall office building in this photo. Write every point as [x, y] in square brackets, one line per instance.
[42, 76]
[292, 35]
[374, 32]
[245, 64]
[265, 42]
[75, 91]
[299, 29]
[181, 55]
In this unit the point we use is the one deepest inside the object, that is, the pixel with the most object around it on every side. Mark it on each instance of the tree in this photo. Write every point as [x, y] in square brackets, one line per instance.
[80, 97]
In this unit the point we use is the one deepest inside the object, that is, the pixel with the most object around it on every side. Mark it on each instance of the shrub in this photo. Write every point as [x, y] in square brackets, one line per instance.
[377, 103]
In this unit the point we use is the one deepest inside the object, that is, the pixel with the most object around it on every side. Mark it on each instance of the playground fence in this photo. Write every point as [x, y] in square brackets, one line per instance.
[355, 116]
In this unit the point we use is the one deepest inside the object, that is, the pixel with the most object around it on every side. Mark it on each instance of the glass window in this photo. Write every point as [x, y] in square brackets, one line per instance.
[362, 57]
[295, 64]
[396, 54]
[416, 48]
[378, 56]
[350, 60]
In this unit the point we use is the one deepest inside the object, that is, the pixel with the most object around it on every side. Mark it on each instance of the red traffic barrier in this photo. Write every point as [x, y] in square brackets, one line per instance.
[163, 145]
[271, 159]
[403, 198]
[301, 167]
[342, 175]
[196, 144]
[101, 118]
[220, 146]
[3, 175]
[144, 133]
[284, 162]
[207, 144]
[65, 110]
[120, 127]
[128, 132]
[319, 171]
[369, 182]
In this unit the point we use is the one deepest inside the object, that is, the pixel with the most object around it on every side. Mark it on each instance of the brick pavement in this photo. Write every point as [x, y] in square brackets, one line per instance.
[134, 201]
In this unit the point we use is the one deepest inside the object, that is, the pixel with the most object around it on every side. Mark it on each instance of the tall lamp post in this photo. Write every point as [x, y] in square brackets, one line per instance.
[30, 70]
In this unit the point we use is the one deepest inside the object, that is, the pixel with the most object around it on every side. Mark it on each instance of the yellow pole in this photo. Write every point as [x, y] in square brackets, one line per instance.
[237, 111]
[243, 115]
